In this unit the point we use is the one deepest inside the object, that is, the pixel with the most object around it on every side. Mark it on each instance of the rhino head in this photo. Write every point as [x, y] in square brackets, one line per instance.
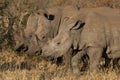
[38, 37]
[38, 32]
[48, 26]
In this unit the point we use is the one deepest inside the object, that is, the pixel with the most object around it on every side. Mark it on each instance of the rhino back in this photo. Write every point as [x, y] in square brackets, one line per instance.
[84, 12]
[101, 30]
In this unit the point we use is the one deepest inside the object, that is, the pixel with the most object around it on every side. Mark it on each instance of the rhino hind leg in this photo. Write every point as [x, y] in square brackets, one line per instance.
[95, 54]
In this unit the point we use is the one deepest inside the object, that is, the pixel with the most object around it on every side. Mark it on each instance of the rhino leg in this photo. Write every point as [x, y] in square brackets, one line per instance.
[95, 54]
[68, 57]
[75, 61]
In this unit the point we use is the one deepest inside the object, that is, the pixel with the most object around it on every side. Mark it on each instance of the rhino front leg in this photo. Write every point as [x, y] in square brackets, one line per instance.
[95, 54]
[68, 57]
[75, 61]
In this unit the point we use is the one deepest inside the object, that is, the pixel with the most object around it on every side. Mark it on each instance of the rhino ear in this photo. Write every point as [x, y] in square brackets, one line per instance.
[79, 24]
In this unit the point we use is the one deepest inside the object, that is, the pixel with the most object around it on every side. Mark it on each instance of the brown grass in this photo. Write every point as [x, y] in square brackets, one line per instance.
[45, 70]
[36, 75]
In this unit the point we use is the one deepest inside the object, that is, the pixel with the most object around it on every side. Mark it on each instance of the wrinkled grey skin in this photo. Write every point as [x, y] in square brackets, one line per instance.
[101, 30]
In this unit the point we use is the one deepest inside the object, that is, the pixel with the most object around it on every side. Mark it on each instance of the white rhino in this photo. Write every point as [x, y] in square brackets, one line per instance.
[91, 31]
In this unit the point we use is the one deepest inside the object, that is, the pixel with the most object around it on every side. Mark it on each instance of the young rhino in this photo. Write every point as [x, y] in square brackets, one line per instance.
[93, 36]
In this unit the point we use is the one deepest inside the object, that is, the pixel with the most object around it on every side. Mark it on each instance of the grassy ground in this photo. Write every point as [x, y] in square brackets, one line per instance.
[21, 67]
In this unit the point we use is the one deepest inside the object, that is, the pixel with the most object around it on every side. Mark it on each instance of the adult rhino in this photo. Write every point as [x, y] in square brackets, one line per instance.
[92, 33]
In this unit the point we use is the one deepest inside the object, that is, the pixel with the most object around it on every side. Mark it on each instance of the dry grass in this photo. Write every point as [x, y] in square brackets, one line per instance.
[36, 75]
[44, 70]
